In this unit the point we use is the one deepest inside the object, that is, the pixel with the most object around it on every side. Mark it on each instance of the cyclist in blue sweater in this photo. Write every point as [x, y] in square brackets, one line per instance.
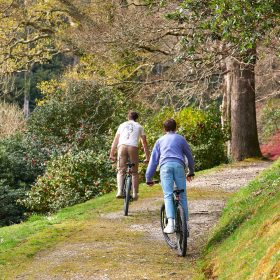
[169, 153]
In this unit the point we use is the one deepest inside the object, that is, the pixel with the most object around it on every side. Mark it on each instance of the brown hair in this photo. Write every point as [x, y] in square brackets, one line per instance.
[170, 125]
[132, 115]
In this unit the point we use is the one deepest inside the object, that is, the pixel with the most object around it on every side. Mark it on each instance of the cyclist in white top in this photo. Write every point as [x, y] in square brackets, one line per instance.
[126, 142]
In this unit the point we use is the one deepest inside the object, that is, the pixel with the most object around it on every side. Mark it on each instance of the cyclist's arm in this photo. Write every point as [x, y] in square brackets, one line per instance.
[188, 154]
[145, 147]
[153, 163]
[114, 146]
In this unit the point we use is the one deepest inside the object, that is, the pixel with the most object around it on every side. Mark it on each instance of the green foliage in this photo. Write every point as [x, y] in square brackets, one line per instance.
[249, 229]
[39, 73]
[205, 134]
[10, 211]
[241, 23]
[21, 161]
[27, 33]
[77, 119]
[202, 129]
[270, 119]
[76, 115]
[70, 179]
[75, 124]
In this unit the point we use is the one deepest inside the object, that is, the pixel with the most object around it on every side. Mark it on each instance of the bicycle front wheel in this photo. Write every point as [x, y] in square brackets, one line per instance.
[169, 238]
[181, 230]
[127, 194]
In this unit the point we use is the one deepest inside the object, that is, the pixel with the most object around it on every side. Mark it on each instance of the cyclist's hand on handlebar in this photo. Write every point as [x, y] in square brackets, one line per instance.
[151, 183]
[146, 160]
[112, 158]
[190, 177]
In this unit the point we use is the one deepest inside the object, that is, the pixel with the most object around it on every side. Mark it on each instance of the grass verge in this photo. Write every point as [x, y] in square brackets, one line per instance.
[41, 232]
[246, 242]
[79, 240]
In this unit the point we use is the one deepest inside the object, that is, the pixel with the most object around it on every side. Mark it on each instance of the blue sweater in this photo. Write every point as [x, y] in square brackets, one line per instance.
[171, 147]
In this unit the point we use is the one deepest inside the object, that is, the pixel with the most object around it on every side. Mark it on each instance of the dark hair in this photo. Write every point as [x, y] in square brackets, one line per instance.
[132, 115]
[170, 125]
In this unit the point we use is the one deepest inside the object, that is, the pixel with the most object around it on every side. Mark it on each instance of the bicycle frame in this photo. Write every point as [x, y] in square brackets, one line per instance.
[127, 184]
[176, 201]
[180, 225]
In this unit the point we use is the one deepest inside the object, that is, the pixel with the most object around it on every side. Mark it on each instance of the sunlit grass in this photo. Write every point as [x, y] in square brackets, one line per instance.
[112, 241]
[20, 243]
[244, 244]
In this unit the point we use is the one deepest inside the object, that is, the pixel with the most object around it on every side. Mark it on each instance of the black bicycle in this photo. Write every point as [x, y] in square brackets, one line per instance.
[127, 186]
[178, 239]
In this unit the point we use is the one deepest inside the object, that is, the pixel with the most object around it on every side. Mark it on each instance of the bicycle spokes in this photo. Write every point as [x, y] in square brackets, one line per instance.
[179, 239]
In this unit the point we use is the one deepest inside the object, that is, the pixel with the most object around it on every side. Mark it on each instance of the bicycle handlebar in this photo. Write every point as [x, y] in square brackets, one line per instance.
[151, 183]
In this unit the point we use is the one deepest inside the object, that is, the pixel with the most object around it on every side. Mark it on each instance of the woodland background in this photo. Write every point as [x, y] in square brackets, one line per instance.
[70, 71]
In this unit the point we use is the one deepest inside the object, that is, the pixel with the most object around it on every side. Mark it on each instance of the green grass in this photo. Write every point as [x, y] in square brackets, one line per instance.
[253, 210]
[246, 242]
[41, 232]
[24, 246]
[38, 226]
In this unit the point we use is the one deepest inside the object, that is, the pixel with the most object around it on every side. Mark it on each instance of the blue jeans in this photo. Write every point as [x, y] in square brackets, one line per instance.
[170, 173]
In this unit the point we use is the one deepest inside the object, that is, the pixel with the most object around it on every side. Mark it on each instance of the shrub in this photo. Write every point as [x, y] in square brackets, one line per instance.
[10, 211]
[20, 163]
[69, 179]
[202, 129]
[78, 118]
[77, 115]
[270, 119]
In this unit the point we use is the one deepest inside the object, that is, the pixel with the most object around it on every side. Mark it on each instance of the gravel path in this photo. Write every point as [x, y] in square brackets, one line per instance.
[133, 247]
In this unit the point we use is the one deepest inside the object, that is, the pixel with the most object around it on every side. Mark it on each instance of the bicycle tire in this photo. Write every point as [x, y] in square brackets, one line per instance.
[181, 230]
[127, 194]
[169, 238]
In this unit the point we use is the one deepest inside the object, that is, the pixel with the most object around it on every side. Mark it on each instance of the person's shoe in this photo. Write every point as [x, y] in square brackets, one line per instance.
[170, 227]
[119, 194]
[135, 196]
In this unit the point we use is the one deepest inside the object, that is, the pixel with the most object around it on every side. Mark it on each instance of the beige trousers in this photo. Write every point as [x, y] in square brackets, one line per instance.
[125, 154]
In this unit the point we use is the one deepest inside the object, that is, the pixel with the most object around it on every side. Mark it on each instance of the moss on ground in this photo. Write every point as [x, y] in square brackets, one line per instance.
[85, 242]
[245, 244]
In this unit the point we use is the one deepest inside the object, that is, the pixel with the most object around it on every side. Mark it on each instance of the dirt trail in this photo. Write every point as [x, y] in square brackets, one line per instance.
[118, 247]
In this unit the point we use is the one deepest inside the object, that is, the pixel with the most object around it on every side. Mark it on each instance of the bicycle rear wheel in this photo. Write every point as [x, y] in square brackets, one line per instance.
[170, 239]
[181, 230]
[127, 194]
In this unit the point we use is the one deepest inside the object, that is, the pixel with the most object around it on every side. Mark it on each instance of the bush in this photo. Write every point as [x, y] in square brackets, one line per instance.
[75, 116]
[20, 163]
[69, 179]
[270, 119]
[202, 129]
[10, 211]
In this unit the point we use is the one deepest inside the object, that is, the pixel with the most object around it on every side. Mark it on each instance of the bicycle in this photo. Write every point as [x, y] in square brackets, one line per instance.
[179, 240]
[127, 185]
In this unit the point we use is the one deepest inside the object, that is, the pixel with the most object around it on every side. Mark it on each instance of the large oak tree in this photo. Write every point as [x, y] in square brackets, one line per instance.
[235, 29]
[203, 44]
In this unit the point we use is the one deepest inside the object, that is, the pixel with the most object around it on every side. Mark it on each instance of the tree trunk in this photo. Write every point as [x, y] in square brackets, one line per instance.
[27, 80]
[226, 104]
[241, 85]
